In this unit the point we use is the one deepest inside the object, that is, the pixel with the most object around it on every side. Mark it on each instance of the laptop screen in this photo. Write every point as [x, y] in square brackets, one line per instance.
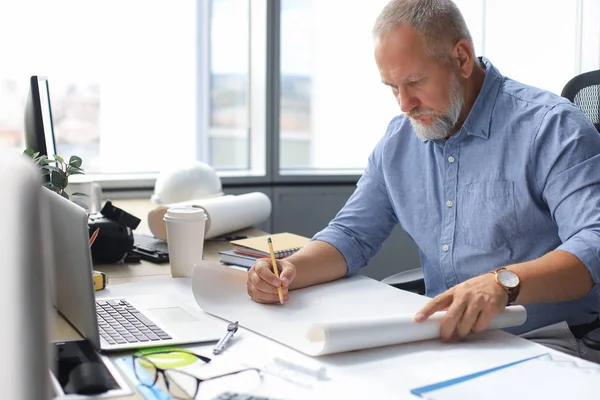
[73, 283]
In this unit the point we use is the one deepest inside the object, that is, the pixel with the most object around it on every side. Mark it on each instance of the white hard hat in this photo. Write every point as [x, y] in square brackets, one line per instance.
[188, 182]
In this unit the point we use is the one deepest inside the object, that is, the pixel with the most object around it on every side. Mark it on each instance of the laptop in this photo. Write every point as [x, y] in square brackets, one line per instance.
[112, 324]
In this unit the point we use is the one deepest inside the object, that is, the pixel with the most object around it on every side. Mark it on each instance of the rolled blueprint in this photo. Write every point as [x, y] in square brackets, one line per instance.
[225, 214]
[354, 334]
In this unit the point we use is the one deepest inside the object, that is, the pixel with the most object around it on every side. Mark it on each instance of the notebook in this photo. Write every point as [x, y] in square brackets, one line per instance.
[284, 244]
[231, 257]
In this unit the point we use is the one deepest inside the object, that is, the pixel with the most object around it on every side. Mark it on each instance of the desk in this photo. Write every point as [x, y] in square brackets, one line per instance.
[142, 271]
[393, 369]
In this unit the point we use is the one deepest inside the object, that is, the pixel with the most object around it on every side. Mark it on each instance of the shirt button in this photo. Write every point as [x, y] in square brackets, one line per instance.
[445, 247]
[450, 159]
[449, 203]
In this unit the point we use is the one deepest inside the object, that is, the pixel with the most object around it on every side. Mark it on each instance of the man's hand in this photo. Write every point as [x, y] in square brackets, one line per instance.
[470, 306]
[262, 283]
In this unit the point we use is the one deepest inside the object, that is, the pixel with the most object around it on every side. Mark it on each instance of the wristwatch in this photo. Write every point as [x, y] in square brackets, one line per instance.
[509, 281]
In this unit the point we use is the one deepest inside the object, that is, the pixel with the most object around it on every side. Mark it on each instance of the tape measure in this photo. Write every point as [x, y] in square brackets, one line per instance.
[100, 280]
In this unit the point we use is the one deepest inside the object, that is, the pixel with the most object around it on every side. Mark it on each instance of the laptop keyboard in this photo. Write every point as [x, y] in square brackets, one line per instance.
[119, 323]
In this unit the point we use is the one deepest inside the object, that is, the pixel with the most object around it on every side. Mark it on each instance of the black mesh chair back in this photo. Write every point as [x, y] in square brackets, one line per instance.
[584, 91]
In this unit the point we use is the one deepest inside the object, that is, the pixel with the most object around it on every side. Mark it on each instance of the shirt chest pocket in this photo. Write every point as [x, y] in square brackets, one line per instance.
[486, 216]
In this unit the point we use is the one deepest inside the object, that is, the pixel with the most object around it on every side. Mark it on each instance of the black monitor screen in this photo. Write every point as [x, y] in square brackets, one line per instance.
[39, 131]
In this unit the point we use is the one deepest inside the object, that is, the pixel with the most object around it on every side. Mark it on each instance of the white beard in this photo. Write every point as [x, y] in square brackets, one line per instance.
[441, 126]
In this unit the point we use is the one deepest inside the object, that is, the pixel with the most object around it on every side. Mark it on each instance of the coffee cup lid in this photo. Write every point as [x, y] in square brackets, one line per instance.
[185, 214]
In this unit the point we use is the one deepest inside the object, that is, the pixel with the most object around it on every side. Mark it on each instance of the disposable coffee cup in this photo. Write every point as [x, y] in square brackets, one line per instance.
[185, 238]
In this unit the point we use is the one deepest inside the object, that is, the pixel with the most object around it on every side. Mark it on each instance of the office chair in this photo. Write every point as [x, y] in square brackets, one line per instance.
[584, 91]
[411, 280]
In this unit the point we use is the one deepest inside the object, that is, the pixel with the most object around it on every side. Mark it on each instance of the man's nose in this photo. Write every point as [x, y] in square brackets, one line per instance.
[406, 100]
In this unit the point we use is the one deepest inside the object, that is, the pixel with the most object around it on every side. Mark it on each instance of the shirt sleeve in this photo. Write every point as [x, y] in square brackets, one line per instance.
[367, 219]
[566, 154]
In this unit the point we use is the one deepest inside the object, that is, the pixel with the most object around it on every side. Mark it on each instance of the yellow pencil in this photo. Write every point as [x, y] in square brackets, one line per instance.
[275, 269]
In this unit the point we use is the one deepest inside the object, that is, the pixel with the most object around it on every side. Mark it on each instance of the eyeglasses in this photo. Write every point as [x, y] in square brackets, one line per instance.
[148, 372]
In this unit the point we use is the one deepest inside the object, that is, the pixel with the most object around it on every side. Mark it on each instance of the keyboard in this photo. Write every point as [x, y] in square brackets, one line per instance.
[119, 323]
[240, 396]
[150, 248]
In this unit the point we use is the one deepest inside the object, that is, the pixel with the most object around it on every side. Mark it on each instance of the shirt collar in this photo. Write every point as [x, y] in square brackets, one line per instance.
[480, 117]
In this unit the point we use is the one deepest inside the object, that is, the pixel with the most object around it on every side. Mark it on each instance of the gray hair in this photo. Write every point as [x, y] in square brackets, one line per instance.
[439, 22]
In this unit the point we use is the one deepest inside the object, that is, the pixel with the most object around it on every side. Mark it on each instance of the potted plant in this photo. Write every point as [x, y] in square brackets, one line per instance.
[58, 171]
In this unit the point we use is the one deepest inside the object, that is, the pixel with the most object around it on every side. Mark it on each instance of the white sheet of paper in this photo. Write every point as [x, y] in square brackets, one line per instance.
[540, 378]
[348, 314]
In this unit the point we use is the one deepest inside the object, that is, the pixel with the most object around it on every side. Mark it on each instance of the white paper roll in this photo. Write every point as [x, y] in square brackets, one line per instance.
[225, 214]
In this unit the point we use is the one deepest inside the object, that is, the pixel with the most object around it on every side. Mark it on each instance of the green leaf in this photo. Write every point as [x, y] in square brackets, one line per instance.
[53, 168]
[75, 172]
[42, 160]
[58, 179]
[29, 152]
[79, 194]
[59, 158]
[75, 161]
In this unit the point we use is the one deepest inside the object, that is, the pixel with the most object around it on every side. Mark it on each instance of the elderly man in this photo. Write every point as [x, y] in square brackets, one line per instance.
[497, 183]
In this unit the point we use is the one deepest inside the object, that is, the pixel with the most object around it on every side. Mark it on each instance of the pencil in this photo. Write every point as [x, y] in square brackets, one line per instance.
[275, 269]
[94, 236]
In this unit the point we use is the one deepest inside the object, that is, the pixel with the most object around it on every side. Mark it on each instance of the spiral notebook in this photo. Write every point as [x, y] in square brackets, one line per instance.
[284, 244]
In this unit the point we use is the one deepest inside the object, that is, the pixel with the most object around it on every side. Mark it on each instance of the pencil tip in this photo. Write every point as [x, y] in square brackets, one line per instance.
[269, 240]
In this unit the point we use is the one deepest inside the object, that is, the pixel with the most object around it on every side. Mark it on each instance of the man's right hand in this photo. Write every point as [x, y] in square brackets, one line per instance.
[262, 283]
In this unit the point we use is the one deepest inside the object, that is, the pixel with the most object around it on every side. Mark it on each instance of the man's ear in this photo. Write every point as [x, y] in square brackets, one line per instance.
[462, 55]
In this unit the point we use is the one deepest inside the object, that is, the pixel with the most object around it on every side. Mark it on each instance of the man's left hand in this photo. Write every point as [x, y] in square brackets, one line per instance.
[470, 307]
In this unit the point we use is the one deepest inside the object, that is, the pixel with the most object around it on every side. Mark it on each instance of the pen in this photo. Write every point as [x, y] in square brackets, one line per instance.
[94, 236]
[275, 269]
[231, 329]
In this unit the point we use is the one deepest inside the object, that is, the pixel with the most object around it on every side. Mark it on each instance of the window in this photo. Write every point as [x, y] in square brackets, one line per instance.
[140, 85]
[229, 84]
[333, 108]
[122, 78]
[538, 51]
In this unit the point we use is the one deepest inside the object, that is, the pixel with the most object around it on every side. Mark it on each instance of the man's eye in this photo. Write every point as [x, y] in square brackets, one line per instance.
[415, 82]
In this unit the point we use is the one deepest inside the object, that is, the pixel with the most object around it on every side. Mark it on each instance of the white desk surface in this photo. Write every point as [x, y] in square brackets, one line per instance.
[391, 370]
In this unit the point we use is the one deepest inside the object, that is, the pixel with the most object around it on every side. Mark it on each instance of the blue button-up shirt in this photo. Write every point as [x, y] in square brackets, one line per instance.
[521, 178]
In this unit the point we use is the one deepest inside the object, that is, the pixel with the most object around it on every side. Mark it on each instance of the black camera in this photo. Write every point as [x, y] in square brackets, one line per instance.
[115, 233]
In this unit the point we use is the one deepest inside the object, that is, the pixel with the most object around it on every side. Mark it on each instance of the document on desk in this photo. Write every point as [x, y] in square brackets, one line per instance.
[348, 314]
[548, 376]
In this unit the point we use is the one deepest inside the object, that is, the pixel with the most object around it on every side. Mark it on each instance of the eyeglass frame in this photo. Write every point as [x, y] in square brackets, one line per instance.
[161, 371]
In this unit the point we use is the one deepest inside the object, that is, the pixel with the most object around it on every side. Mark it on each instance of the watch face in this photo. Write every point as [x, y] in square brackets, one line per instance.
[508, 278]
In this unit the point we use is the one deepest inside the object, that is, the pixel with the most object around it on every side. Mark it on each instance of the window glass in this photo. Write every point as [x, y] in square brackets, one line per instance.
[333, 108]
[539, 51]
[122, 77]
[229, 139]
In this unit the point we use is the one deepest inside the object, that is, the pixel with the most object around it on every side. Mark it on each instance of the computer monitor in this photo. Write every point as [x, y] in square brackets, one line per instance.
[25, 306]
[39, 128]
